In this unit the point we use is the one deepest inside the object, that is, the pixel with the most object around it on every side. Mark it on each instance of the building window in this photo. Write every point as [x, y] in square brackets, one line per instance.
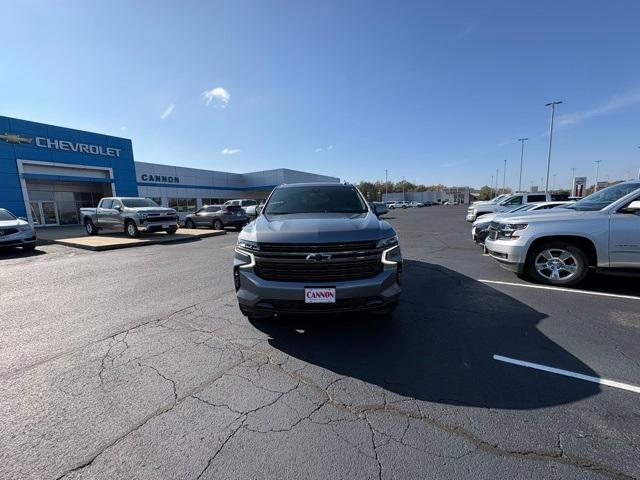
[212, 201]
[183, 205]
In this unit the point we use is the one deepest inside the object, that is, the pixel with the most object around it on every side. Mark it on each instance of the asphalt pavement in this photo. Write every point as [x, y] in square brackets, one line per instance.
[138, 364]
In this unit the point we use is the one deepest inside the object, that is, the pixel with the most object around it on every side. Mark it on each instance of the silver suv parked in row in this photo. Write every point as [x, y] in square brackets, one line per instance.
[317, 248]
[16, 232]
[601, 231]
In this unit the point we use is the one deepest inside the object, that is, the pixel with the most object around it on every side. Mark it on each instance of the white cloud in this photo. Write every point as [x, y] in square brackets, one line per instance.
[616, 103]
[167, 111]
[218, 95]
[322, 149]
[230, 151]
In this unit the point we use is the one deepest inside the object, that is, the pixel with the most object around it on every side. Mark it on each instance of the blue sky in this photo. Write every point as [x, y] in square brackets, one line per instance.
[435, 91]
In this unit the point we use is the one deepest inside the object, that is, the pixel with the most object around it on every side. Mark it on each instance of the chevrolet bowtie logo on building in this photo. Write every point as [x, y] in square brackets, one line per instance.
[15, 138]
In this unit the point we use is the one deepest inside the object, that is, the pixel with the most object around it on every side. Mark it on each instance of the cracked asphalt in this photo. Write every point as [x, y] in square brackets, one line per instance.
[137, 364]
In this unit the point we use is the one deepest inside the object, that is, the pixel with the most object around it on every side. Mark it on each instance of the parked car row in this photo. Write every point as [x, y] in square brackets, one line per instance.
[559, 243]
[412, 204]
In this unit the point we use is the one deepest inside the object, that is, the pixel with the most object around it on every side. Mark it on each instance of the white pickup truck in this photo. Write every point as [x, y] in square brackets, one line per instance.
[506, 204]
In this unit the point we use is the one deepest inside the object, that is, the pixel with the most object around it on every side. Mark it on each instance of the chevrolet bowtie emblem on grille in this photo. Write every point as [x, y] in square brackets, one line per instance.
[15, 138]
[318, 257]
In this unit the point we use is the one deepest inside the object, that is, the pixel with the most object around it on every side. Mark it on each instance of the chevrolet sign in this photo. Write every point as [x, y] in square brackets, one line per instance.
[159, 178]
[69, 146]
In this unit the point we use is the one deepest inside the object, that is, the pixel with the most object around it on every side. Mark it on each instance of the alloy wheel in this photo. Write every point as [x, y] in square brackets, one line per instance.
[556, 264]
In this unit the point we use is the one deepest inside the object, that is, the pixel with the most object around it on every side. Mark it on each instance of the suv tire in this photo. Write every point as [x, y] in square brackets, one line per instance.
[217, 225]
[131, 229]
[189, 224]
[557, 263]
[171, 231]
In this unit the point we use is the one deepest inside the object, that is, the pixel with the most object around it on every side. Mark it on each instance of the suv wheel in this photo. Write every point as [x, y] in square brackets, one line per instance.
[557, 263]
[217, 225]
[90, 227]
[132, 229]
[189, 224]
[171, 231]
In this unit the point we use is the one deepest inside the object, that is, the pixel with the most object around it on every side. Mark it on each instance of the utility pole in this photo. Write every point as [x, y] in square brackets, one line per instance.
[491, 188]
[386, 182]
[403, 188]
[521, 140]
[598, 162]
[553, 112]
[573, 182]
[504, 177]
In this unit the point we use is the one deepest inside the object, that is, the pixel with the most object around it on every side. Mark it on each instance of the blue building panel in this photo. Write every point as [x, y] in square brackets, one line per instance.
[38, 142]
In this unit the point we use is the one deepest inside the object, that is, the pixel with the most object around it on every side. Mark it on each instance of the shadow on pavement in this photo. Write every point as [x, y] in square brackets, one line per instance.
[15, 252]
[439, 345]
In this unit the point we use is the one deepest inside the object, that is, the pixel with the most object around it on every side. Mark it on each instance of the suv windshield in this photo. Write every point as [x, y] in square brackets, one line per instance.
[315, 199]
[4, 215]
[138, 202]
[604, 198]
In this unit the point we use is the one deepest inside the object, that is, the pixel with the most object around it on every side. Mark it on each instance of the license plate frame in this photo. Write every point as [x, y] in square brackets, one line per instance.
[314, 295]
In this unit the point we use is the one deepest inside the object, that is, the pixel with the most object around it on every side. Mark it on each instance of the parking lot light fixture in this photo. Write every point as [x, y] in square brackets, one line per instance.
[504, 177]
[521, 140]
[573, 182]
[553, 111]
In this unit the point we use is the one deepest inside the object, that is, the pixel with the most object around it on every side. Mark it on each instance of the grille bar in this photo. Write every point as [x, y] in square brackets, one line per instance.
[312, 248]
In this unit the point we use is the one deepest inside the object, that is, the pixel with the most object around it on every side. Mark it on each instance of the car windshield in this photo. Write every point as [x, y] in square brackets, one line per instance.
[522, 208]
[604, 198]
[5, 215]
[138, 202]
[315, 199]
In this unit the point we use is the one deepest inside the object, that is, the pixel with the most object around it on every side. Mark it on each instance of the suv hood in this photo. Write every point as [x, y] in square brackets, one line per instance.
[13, 223]
[317, 228]
[553, 215]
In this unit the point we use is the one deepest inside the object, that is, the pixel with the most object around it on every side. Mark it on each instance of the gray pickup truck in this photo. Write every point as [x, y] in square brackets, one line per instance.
[133, 215]
[600, 232]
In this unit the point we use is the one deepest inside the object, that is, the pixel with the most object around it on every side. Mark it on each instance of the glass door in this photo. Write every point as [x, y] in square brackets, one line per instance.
[49, 213]
[36, 215]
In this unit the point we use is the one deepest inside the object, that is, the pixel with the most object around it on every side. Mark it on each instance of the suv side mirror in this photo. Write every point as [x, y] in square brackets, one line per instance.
[119, 208]
[23, 219]
[259, 209]
[633, 207]
[374, 209]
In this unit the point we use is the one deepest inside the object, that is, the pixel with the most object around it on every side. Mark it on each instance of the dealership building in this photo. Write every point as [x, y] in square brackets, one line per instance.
[47, 173]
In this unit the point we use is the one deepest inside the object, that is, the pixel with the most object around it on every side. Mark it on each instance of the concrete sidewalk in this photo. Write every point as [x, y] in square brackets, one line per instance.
[76, 236]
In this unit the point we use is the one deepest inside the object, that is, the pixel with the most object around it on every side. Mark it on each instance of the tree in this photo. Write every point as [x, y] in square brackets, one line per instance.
[486, 192]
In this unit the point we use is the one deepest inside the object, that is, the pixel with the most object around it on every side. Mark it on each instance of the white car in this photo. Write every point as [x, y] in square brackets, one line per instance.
[16, 232]
[401, 204]
[416, 204]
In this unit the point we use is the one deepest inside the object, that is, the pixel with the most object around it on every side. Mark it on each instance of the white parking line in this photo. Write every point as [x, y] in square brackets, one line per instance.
[567, 373]
[560, 289]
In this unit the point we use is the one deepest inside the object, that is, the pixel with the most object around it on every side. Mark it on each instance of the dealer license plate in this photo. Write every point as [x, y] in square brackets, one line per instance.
[320, 295]
[164, 225]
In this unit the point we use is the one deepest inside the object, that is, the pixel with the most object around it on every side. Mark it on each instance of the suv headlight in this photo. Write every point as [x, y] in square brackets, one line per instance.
[248, 245]
[24, 228]
[510, 230]
[387, 242]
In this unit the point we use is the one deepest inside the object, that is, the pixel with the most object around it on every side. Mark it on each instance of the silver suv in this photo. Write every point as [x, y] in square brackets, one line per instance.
[317, 248]
[601, 231]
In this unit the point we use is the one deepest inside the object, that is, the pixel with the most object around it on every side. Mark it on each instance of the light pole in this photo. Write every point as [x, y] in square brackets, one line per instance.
[497, 170]
[598, 162]
[553, 112]
[521, 140]
[403, 188]
[573, 182]
[386, 182]
[504, 177]
[491, 188]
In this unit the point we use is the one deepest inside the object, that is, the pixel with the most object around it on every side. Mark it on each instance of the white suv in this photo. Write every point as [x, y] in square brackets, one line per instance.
[401, 204]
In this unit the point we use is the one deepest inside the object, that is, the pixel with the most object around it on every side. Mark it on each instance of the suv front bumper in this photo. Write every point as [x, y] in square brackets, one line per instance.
[145, 226]
[511, 254]
[264, 297]
[19, 239]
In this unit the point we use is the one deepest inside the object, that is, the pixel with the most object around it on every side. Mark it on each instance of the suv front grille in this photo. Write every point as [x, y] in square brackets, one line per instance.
[314, 248]
[314, 271]
[7, 231]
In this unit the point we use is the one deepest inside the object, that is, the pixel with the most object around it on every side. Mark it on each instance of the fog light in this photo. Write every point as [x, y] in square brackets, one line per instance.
[399, 273]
